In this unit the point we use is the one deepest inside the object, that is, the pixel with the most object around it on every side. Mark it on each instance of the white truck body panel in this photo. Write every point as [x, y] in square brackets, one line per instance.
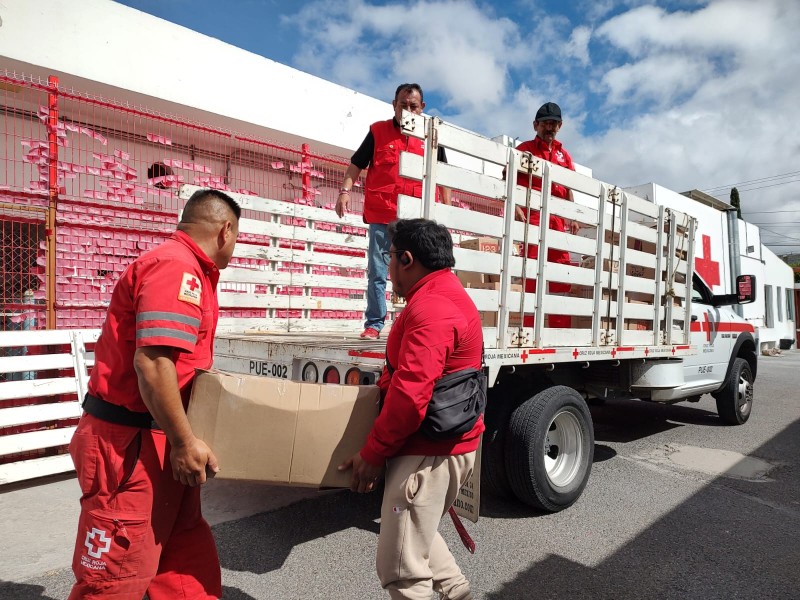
[715, 260]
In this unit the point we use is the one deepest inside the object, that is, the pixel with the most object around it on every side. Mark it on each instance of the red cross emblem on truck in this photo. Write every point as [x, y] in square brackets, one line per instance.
[707, 269]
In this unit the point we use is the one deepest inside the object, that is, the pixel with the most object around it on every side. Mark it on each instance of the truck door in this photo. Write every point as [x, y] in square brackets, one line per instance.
[707, 368]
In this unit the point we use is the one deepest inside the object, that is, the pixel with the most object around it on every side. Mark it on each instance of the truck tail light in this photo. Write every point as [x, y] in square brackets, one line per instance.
[331, 375]
[353, 377]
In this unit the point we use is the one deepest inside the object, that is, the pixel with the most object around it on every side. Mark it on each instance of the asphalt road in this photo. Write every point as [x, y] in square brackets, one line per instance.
[665, 516]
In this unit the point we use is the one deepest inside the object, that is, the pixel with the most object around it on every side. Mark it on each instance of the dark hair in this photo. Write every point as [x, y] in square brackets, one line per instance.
[427, 241]
[408, 87]
[196, 203]
[158, 169]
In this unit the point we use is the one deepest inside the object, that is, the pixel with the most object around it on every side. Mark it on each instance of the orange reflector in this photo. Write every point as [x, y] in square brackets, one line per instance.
[353, 377]
[331, 375]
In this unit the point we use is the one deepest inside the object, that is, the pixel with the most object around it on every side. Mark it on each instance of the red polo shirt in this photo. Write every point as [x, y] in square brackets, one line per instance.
[166, 297]
[556, 155]
[439, 332]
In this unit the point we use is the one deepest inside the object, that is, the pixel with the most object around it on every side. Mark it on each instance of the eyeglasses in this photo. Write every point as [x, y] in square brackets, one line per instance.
[387, 255]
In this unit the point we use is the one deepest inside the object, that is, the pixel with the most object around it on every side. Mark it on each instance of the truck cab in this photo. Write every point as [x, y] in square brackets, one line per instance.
[725, 364]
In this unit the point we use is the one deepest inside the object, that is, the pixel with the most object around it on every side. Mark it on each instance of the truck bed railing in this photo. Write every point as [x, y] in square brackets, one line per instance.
[624, 286]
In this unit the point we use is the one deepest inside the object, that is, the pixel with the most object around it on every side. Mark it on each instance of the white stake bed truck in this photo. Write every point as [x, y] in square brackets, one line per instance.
[643, 324]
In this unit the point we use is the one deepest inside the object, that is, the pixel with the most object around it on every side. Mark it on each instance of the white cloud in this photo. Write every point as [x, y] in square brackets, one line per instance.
[690, 98]
[450, 47]
[578, 44]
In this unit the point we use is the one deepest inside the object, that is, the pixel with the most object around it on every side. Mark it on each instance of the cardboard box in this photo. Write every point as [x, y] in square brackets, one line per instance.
[484, 244]
[280, 431]
[470, 278]
[610, 324]
[589, 262]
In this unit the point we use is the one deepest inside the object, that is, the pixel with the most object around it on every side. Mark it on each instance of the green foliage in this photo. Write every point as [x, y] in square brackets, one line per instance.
[735, 202]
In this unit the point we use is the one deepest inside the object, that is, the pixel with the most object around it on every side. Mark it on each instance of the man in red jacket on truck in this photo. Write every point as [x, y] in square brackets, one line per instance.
[138, 463]
[547, 124]
[437, 334]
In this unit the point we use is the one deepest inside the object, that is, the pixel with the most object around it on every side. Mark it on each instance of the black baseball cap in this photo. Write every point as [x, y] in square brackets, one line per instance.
[549, 111]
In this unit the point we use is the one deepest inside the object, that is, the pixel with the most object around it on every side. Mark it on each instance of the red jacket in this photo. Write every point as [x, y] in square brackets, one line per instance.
[383, 182]
[557, 155]
[166, 297]
[439, 332]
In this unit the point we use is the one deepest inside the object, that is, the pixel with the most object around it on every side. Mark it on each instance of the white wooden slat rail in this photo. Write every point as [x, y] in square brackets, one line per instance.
[25, 357]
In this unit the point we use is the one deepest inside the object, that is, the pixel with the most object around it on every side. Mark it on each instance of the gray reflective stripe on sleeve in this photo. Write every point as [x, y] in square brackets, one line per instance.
[166, 332]
[155, 315]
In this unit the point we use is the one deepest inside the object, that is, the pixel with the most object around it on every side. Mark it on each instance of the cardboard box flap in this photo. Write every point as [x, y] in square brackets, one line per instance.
[281, 431]
[333, 425]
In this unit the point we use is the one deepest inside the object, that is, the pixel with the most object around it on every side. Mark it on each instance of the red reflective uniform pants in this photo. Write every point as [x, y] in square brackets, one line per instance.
[139, 529]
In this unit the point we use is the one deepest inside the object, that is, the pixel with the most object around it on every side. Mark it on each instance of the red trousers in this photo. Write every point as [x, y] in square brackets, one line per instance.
[553, 255]
[139, 530]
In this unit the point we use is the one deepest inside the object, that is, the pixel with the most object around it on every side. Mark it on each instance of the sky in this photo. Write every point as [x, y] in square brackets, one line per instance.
[688, 94]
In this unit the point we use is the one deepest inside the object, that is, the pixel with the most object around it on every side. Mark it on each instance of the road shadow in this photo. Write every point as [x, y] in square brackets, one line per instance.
[625, 421]
[261, 543]
[22, 591]
[741, 549]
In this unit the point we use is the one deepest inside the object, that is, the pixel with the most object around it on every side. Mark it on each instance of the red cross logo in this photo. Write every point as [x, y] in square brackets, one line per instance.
[575, 353]
[96, 548]
[524, 356]
[707, 269]
[613, 352]
[673, 350]
[192, 283]
[647, 351]
[709, 326]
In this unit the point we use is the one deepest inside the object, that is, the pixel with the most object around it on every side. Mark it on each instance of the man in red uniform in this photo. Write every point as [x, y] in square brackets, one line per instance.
[438, 333]
[545, 145]
[380, 151]
[138, 464]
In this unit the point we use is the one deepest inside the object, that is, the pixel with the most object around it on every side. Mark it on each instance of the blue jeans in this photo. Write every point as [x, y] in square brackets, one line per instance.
[376, 277]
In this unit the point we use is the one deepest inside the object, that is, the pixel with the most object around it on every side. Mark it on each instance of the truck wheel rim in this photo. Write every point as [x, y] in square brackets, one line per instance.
[563, 449]
[744, 395]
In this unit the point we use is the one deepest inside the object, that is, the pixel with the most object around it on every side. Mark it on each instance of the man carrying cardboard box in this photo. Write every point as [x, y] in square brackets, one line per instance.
[138, 463]
[433, 350]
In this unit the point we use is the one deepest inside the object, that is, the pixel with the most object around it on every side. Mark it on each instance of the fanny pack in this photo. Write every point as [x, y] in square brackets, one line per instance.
[457, 401]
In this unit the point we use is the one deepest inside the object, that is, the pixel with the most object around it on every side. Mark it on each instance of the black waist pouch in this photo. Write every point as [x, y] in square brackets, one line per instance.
[458, 400]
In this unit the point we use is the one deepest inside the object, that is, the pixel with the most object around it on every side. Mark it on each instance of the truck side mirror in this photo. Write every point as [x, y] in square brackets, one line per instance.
[746, 288]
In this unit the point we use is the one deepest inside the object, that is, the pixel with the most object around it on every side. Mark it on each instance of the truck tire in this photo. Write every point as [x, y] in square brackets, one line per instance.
[499, 405]
[549, 449]
[735, 397]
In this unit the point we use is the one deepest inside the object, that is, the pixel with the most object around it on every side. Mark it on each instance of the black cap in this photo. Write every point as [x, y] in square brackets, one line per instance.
[548, 112]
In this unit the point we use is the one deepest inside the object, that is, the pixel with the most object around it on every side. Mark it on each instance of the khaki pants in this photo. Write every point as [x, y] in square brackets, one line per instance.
[413, 559]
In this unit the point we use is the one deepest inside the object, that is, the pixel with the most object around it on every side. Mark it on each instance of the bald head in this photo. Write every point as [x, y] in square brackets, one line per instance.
[211, 219]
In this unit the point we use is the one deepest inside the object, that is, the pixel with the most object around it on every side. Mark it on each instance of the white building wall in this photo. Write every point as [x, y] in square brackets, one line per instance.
[101, 46]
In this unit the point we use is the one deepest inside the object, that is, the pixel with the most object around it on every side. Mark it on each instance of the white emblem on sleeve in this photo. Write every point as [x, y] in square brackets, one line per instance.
[190, 290]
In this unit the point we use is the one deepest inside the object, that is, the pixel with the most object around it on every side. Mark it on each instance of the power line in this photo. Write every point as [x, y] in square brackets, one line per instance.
[769, 212]
[761, 187]
[780, 234]
[730, 185]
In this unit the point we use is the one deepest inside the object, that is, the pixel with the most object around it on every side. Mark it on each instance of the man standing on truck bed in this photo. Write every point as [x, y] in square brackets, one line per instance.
[139, 466]
[380, 151]
[547, 124]
[434, 347]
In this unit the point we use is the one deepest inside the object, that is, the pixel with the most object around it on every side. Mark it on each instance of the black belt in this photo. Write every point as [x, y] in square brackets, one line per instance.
[119, 415]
